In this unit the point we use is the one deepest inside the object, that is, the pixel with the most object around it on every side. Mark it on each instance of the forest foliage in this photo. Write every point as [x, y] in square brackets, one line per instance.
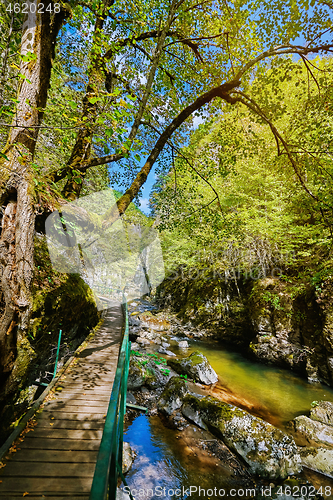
[94, 93]
[234, 202]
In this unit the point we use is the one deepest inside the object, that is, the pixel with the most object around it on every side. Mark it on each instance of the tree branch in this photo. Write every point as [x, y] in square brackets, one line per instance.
[119, 208]
[283, 49]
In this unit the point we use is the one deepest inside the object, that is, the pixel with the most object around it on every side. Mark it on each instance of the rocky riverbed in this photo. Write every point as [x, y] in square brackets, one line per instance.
[180, 389]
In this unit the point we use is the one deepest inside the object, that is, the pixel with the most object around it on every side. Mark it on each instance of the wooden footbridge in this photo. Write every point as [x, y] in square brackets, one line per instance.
[74, 449]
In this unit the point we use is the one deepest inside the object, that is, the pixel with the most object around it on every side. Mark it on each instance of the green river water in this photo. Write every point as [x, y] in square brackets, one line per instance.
[275, 392]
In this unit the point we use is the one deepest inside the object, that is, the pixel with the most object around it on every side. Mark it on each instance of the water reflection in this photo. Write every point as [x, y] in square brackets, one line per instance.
[168, 463]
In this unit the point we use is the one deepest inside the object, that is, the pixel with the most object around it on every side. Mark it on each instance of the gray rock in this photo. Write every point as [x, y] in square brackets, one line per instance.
[311, 431]
[165, 344]
[323, 412]
[130, 398]
[195, 366]
[152, 322]
[134, 346]
[144, 371]
[173, 395]
[162, 350]
[318, 459]
[150, 335]
[183, 344]
[128, 457]
[267, 450]
[122, 494]
[142, 341]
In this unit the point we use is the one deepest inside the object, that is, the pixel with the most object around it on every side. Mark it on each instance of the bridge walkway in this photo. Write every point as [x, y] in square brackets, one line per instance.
[56, 459]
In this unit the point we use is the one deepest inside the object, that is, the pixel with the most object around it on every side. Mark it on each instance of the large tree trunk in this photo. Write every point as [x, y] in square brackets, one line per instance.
[17, 189]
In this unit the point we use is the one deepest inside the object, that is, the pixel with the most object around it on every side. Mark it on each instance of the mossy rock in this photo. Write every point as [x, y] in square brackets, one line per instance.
[195, 366]
[143, 370]
[268, 451]
[173, 395]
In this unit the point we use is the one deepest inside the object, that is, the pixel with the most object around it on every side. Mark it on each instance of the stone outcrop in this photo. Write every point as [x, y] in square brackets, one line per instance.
[196, 366]
[268, 451]
[315, 434]
[147, 370]
[153, 322]
[312, 431]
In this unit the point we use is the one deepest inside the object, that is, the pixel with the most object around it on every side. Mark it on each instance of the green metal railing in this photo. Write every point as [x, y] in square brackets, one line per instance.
[45, 384]
[109, 459]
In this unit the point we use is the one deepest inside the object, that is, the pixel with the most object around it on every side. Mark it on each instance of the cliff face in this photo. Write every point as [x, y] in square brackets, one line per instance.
[283, 322]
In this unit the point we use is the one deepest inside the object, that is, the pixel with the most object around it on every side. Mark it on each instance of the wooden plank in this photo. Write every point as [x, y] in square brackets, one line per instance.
[45, 485]
[61, 433]
[59, 444]
[76, 405]
[57, 411]
[71, 424]
[85, 416]
[49, 469]
[57, 458]
[81, 397]
[68, 456]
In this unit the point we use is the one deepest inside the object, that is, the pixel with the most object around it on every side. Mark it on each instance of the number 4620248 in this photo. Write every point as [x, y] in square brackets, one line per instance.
[29, 7]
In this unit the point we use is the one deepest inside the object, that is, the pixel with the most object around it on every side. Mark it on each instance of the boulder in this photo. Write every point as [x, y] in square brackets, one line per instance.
[318, 459]
[136, 374]
[268, 451]
[162, 350]
[133, 320]
[183, 344]
[128, 457]
[195, 366]
[191, 413]
[313, 432]
[153, 322]
[173, 395]
[323, 412]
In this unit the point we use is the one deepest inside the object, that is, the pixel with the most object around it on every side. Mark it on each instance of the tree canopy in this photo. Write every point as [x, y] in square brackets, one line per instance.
[99, 91]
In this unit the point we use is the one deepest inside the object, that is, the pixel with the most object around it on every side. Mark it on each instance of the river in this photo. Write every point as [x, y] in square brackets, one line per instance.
[166, 458]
